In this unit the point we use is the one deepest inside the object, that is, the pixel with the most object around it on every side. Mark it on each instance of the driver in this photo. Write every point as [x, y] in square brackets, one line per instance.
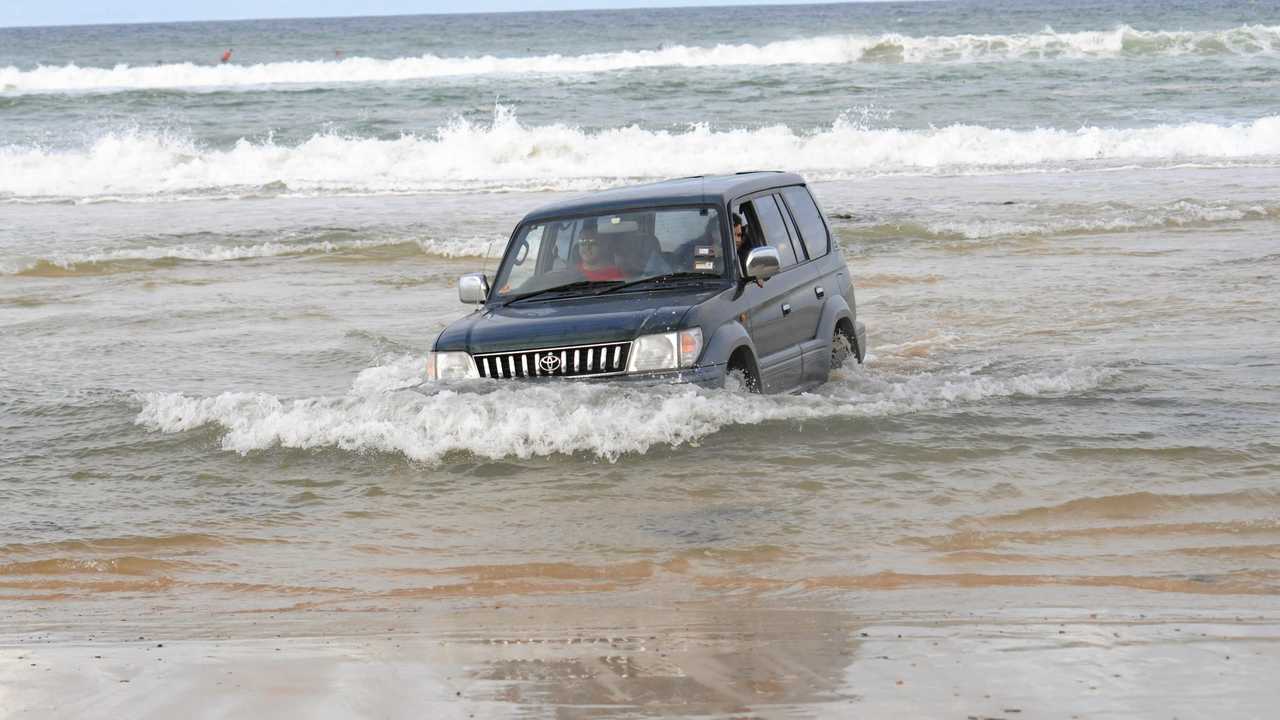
[596, 260]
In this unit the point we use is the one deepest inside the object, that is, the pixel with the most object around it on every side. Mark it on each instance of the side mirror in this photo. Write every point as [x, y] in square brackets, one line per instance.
[763, 263]
[473, 288]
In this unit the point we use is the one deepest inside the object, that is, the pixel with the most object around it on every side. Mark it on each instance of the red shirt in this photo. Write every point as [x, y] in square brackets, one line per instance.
[608, 272]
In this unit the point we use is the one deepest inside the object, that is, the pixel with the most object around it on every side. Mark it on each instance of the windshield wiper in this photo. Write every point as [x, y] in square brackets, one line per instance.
[660, 278]
[576, 285]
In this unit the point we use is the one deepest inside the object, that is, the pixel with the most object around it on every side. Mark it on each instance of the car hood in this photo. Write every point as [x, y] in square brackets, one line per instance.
[568, 321]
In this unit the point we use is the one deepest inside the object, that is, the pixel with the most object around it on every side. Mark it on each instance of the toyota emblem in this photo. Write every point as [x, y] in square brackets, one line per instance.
[548, 363]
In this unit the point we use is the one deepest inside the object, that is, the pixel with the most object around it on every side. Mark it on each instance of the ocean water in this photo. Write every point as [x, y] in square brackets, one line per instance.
[218, 285]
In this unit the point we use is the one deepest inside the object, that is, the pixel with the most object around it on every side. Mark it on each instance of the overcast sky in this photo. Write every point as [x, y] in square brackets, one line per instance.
[90, 12]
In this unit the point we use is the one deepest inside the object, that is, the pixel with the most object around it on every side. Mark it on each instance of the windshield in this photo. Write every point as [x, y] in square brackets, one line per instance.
[612, 248]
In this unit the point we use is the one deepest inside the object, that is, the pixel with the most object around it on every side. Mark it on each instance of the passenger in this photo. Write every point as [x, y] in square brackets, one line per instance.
[742, 244]
[595, 258]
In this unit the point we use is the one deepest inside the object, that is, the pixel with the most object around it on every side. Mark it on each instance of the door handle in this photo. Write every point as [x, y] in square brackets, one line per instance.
[820, 292]
[786, 309]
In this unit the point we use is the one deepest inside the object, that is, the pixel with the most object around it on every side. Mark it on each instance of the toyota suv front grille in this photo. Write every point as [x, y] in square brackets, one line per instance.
[577, 361]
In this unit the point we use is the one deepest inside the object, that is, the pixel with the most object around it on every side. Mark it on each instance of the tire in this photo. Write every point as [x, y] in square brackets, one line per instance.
[843, 347]
[740, 378]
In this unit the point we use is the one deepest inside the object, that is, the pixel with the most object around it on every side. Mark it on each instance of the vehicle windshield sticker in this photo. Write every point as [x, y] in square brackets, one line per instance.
[704, 265]
[704, 251]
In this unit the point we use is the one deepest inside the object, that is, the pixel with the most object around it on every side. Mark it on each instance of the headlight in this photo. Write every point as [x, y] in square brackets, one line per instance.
[450, 366]
[667, 351]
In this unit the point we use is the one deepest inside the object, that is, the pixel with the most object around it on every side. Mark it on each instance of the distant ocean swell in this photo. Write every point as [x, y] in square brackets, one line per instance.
[1056, 220]
[1121, 41]
[510, 156]
[106, 261]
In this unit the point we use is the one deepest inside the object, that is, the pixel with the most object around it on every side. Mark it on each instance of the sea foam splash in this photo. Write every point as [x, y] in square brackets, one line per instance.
[518, 420]
[1120, 41]
[506, 155]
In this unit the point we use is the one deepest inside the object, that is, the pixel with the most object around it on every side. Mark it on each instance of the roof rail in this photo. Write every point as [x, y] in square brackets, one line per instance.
[748, 172]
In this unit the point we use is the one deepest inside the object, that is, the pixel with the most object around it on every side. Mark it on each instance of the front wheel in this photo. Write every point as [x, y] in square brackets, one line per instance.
[739, 378]
[842, 348]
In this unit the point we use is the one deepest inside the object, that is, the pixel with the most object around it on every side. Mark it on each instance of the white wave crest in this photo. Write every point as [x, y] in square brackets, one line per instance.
[507, 155]
[826, 50]
[523, 421]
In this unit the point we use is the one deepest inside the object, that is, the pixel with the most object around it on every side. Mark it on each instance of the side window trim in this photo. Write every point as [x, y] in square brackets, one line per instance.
[792, 237]
[821, 217]
[798, 245]
[791, 220]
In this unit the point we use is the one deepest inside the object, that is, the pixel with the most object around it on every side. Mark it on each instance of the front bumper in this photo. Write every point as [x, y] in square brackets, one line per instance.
[710, 376]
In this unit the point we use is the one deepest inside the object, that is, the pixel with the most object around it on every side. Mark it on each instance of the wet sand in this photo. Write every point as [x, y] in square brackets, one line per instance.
[580, 662]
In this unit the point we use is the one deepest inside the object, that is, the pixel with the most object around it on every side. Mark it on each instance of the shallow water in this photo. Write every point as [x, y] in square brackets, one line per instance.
[1062, 393]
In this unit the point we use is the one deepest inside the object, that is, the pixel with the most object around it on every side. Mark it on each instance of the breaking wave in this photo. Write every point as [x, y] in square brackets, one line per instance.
[1121, 41]
[503, 420]
[506, 155]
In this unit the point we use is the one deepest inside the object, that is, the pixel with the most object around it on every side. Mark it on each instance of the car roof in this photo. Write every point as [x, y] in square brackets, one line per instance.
[697, 190]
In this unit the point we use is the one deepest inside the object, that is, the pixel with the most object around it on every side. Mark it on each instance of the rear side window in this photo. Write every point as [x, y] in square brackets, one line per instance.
[775, 228]
[813, 231]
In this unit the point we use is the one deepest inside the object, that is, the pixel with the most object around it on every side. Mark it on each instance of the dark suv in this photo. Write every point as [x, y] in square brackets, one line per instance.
[693, 280]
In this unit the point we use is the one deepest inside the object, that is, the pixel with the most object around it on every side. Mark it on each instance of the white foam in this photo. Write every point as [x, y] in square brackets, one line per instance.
[507, 155]
[498, 420]
[461, 247]
[1122, 40]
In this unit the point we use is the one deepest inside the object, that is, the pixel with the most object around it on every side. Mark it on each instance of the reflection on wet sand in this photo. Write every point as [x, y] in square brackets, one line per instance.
[656, 663]
[584, 662]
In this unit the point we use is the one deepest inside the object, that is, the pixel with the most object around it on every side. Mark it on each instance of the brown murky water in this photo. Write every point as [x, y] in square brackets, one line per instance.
[1055, 477]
